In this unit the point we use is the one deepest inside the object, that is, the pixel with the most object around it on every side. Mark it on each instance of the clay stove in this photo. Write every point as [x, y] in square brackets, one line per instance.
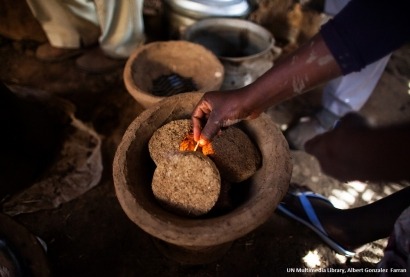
[170, 59]
[205, 239]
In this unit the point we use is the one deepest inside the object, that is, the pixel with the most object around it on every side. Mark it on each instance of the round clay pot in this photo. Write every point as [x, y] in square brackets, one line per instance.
[189, 60]
[198, 240]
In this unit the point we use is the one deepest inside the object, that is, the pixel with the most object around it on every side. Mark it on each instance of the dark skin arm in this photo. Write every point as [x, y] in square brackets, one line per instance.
[351, 151]
[309, 66]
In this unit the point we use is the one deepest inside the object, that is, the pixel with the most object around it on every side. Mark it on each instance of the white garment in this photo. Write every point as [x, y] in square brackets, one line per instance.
[117, 25]
[350, 92]
[333, 7]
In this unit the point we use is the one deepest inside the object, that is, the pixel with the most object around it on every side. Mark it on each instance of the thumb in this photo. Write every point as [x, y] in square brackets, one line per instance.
[210, 130]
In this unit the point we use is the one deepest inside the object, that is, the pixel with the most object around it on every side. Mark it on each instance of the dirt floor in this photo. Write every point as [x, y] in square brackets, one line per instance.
[92, 236]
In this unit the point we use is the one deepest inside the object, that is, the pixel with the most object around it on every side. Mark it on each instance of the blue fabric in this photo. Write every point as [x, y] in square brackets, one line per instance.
[367, 30]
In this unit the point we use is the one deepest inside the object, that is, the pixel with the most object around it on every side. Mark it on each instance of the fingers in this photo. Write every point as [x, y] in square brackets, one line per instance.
[202, 114]
[214, 111]
[207, 133]
[197, 124]
[210, 130]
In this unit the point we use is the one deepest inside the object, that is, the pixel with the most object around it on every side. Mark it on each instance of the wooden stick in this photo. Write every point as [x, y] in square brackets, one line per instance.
[196, 146]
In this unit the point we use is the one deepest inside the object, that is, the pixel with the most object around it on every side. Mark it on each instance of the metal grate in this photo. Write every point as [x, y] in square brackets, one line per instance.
[167, 85]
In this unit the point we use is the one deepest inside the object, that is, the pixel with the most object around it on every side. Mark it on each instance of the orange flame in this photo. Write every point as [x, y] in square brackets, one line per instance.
[188, 144]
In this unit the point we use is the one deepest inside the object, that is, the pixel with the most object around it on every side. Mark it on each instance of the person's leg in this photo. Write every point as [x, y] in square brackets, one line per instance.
[68, 25]
[340, 96]
[122, 26]
[354, 227]
[122, 30]
[349, 93]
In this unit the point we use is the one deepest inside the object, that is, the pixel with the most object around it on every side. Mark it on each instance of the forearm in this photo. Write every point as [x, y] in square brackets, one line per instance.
[310, 66]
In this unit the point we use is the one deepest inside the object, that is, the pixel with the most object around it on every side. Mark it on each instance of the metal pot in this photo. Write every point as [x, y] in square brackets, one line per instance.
[247, 50]
[183, 13]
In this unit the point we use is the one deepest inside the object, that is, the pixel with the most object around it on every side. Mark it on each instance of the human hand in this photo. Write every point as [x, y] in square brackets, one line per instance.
[219, 109]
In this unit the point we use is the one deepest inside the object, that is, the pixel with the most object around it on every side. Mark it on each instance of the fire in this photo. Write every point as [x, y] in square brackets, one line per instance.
[188, 144]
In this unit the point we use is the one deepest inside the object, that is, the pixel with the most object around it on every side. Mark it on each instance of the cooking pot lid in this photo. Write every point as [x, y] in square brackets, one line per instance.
[211, 8]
